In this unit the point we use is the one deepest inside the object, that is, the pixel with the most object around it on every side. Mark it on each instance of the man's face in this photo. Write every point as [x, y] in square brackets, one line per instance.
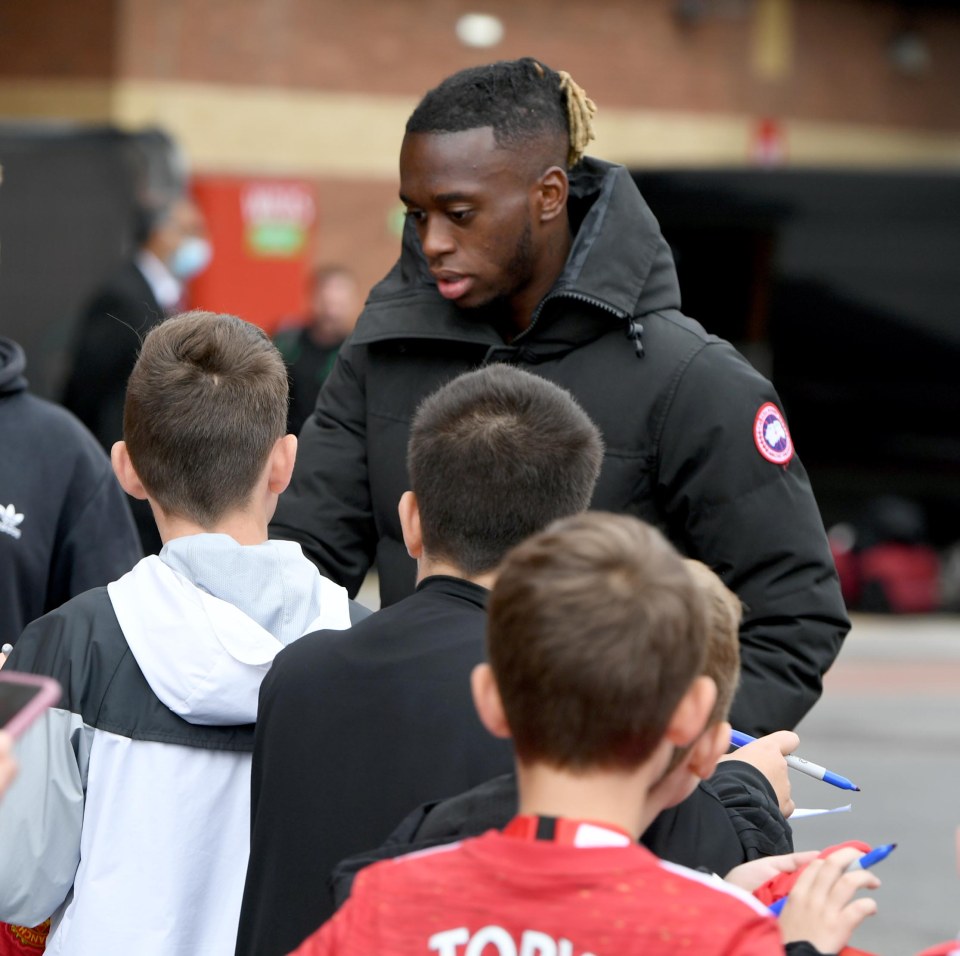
[335, 306]
[472, 205]
[184, 221]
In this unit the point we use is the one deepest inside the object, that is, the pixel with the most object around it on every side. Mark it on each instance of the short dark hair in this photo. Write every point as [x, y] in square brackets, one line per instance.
[205, 404]
[495, 455]
[595, 632]
[521, 100]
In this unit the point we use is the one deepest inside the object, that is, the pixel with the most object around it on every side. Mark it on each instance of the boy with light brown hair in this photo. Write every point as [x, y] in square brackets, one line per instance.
[597, 639]
[129, 820]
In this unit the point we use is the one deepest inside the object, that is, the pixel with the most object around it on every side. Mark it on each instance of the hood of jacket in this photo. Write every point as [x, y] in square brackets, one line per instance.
[12, 365]
[619, 268]
[205, 657]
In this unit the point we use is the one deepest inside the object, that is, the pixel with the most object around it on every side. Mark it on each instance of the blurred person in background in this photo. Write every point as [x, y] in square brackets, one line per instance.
[172, 248]
[310, 346]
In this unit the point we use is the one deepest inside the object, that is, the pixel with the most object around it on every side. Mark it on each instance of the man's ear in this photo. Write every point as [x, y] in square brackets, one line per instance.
[486, 699]
[553, 188]
[709, 748]
[409, 511]
[125, 472]
[282, 458]
[691, 714]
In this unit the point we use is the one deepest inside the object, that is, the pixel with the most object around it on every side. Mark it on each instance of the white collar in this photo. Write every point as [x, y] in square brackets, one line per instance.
[165, 286]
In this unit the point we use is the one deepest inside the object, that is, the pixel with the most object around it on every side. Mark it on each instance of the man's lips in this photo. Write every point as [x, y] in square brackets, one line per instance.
[452, 285]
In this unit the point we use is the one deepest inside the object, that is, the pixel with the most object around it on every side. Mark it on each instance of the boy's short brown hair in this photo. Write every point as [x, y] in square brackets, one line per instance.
[595, 632]
[494, 456]
[724, 613]
[205, 404]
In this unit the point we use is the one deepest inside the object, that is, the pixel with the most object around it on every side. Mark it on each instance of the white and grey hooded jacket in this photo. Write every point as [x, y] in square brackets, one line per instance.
[129, 819]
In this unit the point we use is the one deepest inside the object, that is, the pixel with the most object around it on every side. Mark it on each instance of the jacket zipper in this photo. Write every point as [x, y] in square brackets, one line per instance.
[634, 329]
[577, 297]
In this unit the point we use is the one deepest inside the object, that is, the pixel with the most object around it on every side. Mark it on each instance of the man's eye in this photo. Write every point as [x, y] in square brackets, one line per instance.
[459, 215]
[417, 215]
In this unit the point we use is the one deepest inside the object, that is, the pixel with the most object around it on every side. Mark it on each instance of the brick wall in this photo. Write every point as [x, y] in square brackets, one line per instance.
[354, 227]
[156, 60]
[55, 39]
[627, 54]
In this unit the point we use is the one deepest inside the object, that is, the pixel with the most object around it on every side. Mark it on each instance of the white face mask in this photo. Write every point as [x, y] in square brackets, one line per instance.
[190, 258]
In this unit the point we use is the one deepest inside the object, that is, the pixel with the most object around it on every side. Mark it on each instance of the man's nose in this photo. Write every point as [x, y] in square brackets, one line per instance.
[436, 238]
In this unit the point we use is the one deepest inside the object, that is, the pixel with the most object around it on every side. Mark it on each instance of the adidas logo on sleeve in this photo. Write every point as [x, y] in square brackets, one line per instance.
[10, 521]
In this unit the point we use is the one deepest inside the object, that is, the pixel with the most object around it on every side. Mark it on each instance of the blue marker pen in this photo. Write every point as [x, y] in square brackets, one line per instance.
[739, 739]
[861, 863]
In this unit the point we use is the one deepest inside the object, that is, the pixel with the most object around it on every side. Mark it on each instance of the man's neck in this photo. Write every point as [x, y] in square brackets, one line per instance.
[618, 798]
[323, 334]
[551, 265]
[243, 527]
[428, 568]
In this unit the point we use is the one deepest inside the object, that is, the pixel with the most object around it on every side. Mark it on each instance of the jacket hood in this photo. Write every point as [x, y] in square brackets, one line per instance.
[619, 263]
[203, 656]
[614, 227]
[12, 365]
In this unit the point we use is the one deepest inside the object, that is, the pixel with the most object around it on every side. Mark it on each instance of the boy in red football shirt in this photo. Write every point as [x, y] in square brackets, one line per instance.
[597, 636]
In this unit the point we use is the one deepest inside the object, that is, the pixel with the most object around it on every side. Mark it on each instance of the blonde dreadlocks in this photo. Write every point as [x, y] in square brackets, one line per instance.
[580, 112]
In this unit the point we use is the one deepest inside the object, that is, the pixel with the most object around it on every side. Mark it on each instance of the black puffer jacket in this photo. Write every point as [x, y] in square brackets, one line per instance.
[729, 819]
[677, 408]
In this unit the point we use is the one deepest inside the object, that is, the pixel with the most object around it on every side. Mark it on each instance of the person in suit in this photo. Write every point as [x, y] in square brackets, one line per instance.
[144, 290]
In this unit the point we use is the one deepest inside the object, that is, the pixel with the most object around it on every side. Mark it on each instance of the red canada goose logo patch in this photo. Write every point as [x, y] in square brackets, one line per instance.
[771, 435]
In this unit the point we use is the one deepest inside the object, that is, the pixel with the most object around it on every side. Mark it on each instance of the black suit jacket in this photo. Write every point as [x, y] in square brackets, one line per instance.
[355, 729]
[108, 339]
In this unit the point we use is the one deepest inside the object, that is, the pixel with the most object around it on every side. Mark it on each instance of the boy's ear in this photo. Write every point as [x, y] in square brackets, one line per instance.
[712, 745]
[691, 714]
[486, 699]
[409, 511]
[283, 456]
[125, 472]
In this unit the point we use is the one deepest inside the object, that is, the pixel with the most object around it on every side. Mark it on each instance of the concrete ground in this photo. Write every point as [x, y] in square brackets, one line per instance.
[889, 720]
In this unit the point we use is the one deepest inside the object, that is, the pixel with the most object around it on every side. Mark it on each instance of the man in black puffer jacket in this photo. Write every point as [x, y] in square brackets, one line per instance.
[520, 249]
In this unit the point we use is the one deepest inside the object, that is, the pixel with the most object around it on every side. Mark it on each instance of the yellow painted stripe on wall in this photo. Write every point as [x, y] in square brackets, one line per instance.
[80, 100]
